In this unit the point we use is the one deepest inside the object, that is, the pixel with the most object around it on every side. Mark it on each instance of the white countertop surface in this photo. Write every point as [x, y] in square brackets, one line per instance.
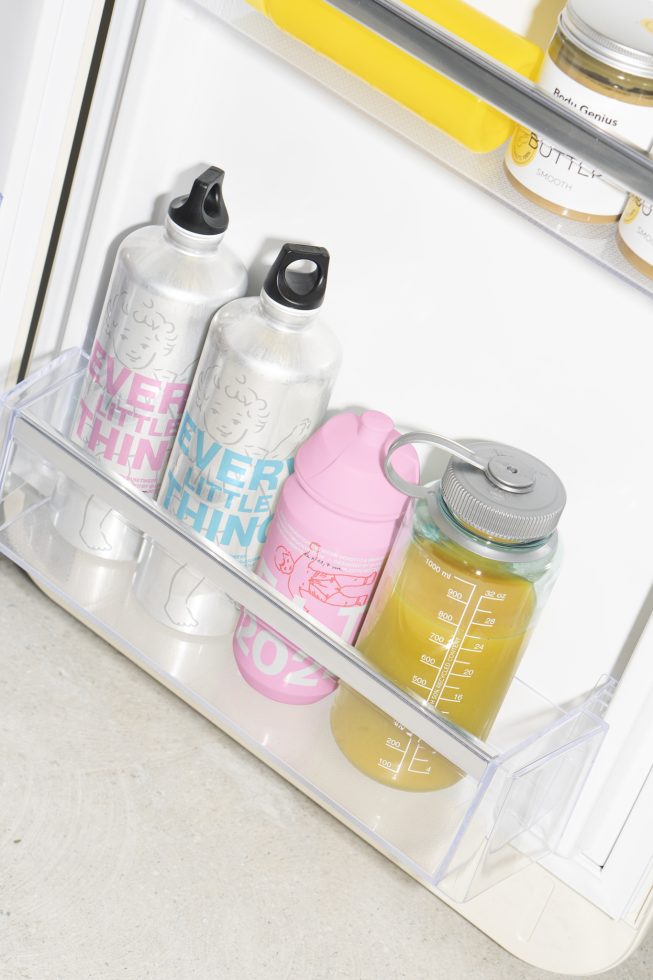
[137, 841]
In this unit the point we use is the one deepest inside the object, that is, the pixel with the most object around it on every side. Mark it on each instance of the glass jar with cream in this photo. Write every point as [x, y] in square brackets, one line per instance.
[599, 64]
[636, 234]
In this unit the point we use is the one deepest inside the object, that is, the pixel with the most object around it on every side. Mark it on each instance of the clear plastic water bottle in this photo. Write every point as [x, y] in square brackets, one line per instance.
[261, 388]
[469, 570]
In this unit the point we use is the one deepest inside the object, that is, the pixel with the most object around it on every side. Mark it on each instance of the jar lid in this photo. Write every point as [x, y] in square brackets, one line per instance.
[619, 34]
[516, 499]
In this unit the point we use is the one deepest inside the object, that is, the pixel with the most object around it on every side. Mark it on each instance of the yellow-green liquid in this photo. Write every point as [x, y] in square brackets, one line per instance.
[452, 630]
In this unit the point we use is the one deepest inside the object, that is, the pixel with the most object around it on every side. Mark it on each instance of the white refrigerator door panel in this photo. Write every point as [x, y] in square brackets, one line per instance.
[454, 313]
[45, 52]
[17, 47]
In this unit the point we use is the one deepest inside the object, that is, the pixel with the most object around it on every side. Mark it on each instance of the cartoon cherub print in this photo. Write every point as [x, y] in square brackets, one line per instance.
[141, 339]
[306, 578]
[233, 414]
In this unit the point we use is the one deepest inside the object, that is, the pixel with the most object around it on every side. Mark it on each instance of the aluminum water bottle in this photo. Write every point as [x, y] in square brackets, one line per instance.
[327, 544]
[262, 386]
[166, 284]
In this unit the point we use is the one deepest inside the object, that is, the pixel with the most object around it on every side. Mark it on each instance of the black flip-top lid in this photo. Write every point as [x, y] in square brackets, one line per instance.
[203, 211]
[298, 289]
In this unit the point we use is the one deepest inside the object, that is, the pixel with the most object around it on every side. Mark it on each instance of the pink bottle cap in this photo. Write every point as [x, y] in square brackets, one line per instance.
[341, 466]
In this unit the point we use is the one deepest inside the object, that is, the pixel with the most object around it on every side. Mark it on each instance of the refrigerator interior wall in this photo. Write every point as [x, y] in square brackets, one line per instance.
[16, 50]
[45, 52]
[455, 314]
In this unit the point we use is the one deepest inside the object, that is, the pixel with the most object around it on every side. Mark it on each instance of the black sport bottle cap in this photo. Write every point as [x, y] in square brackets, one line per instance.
[298, 289]
[203, 211]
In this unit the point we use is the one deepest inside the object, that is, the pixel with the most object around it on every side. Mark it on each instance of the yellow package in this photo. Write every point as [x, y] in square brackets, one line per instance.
[412, 83]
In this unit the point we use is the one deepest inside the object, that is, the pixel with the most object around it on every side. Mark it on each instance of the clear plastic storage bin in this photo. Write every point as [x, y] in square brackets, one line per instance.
[509, 809]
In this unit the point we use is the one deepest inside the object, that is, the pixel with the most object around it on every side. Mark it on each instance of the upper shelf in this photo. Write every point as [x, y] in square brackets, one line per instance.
[504, 89]
[507, 91]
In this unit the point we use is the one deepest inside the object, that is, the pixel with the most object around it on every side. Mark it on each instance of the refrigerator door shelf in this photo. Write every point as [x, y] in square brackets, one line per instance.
[505, 89]
[515, 793]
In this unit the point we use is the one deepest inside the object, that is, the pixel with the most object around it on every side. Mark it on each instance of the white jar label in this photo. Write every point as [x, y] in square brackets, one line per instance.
[636, 228]
[557, 175]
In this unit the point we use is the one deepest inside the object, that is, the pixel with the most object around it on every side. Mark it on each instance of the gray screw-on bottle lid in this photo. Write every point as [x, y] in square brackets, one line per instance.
[519, 499]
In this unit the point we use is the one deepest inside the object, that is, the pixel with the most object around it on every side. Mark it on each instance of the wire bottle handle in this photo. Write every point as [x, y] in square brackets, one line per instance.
[432, 439]
[507, 470]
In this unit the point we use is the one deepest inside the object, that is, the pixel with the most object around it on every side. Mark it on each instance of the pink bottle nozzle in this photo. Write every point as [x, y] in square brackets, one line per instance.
[374, 428]
[341, 466]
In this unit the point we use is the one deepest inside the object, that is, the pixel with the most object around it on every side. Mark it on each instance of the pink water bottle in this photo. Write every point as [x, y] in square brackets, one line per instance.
[326, 545]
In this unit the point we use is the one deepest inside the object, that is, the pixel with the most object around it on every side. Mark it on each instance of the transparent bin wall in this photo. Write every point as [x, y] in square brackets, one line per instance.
[508, 810]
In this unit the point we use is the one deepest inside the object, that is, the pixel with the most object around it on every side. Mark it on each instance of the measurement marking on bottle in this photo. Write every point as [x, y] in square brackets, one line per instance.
[454, 599]
[395, 745]
[439, 639]
[386, 764]
[392, 743]
[429, 663]
[416, 760]
[449, 662]
[420, 681]
[476, 649]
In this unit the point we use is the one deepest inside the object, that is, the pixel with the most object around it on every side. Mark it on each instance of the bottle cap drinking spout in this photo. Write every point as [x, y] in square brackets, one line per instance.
[341, 466]
[497, 491]
[203, 211]
[302, 287]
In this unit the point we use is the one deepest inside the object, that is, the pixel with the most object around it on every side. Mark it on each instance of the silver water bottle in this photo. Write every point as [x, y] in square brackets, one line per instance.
[166, 284]
[261, 388]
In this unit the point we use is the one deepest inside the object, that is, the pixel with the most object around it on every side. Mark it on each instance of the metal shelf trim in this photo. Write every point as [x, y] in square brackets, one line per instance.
[504, 89]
